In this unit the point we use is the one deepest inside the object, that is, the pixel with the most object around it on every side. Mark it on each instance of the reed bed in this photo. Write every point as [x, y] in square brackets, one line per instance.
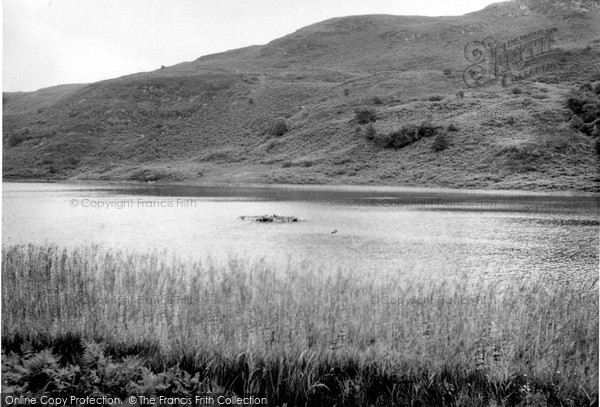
[297, 335]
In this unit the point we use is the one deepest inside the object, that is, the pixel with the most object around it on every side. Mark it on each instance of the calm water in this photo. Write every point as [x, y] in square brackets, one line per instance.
[422, 233]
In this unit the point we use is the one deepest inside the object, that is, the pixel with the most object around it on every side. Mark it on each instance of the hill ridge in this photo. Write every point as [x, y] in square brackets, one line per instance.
[213, 119]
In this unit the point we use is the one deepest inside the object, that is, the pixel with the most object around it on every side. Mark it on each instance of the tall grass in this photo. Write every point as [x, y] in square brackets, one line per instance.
[295, 334]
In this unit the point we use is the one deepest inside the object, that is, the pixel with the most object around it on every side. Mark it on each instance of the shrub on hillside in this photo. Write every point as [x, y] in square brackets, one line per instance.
[577, 123]
[370, 132]
[435, 98]
[585, 104]
[365, 116]
[406, 135]
[440, 142]
[452, 127]
[15, 139]
[146, 175]
[71, 162]
[279, 128]
[376, 100]
[346, 92]
[517, 91]
[460, 94]
[426, 130]
[383, 140]
[594, 128]
[271, 145]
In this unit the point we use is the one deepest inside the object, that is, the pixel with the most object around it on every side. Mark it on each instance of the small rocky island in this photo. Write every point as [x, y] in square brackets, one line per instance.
[270, 218]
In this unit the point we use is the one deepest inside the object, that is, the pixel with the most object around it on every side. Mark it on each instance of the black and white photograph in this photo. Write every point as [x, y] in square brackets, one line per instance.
[335, 203]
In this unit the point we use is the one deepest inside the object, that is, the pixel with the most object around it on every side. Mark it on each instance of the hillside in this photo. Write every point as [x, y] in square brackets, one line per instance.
[285, 112]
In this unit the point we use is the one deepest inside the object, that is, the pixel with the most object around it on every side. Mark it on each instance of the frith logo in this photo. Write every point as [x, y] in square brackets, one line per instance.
[510, 61]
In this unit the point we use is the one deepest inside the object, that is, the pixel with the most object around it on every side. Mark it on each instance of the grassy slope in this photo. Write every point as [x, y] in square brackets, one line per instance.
[209, 120]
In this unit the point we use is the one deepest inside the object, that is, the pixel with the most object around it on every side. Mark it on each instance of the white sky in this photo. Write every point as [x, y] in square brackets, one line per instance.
[51, 42]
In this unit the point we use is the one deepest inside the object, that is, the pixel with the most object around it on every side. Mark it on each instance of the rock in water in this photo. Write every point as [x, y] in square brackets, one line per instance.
[270, 218]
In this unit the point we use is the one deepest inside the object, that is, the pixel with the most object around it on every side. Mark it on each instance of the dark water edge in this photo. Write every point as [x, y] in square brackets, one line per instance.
[192, 184]
[394, 196]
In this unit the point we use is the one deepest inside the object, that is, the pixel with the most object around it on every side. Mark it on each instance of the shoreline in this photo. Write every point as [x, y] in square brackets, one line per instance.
[316, 187]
